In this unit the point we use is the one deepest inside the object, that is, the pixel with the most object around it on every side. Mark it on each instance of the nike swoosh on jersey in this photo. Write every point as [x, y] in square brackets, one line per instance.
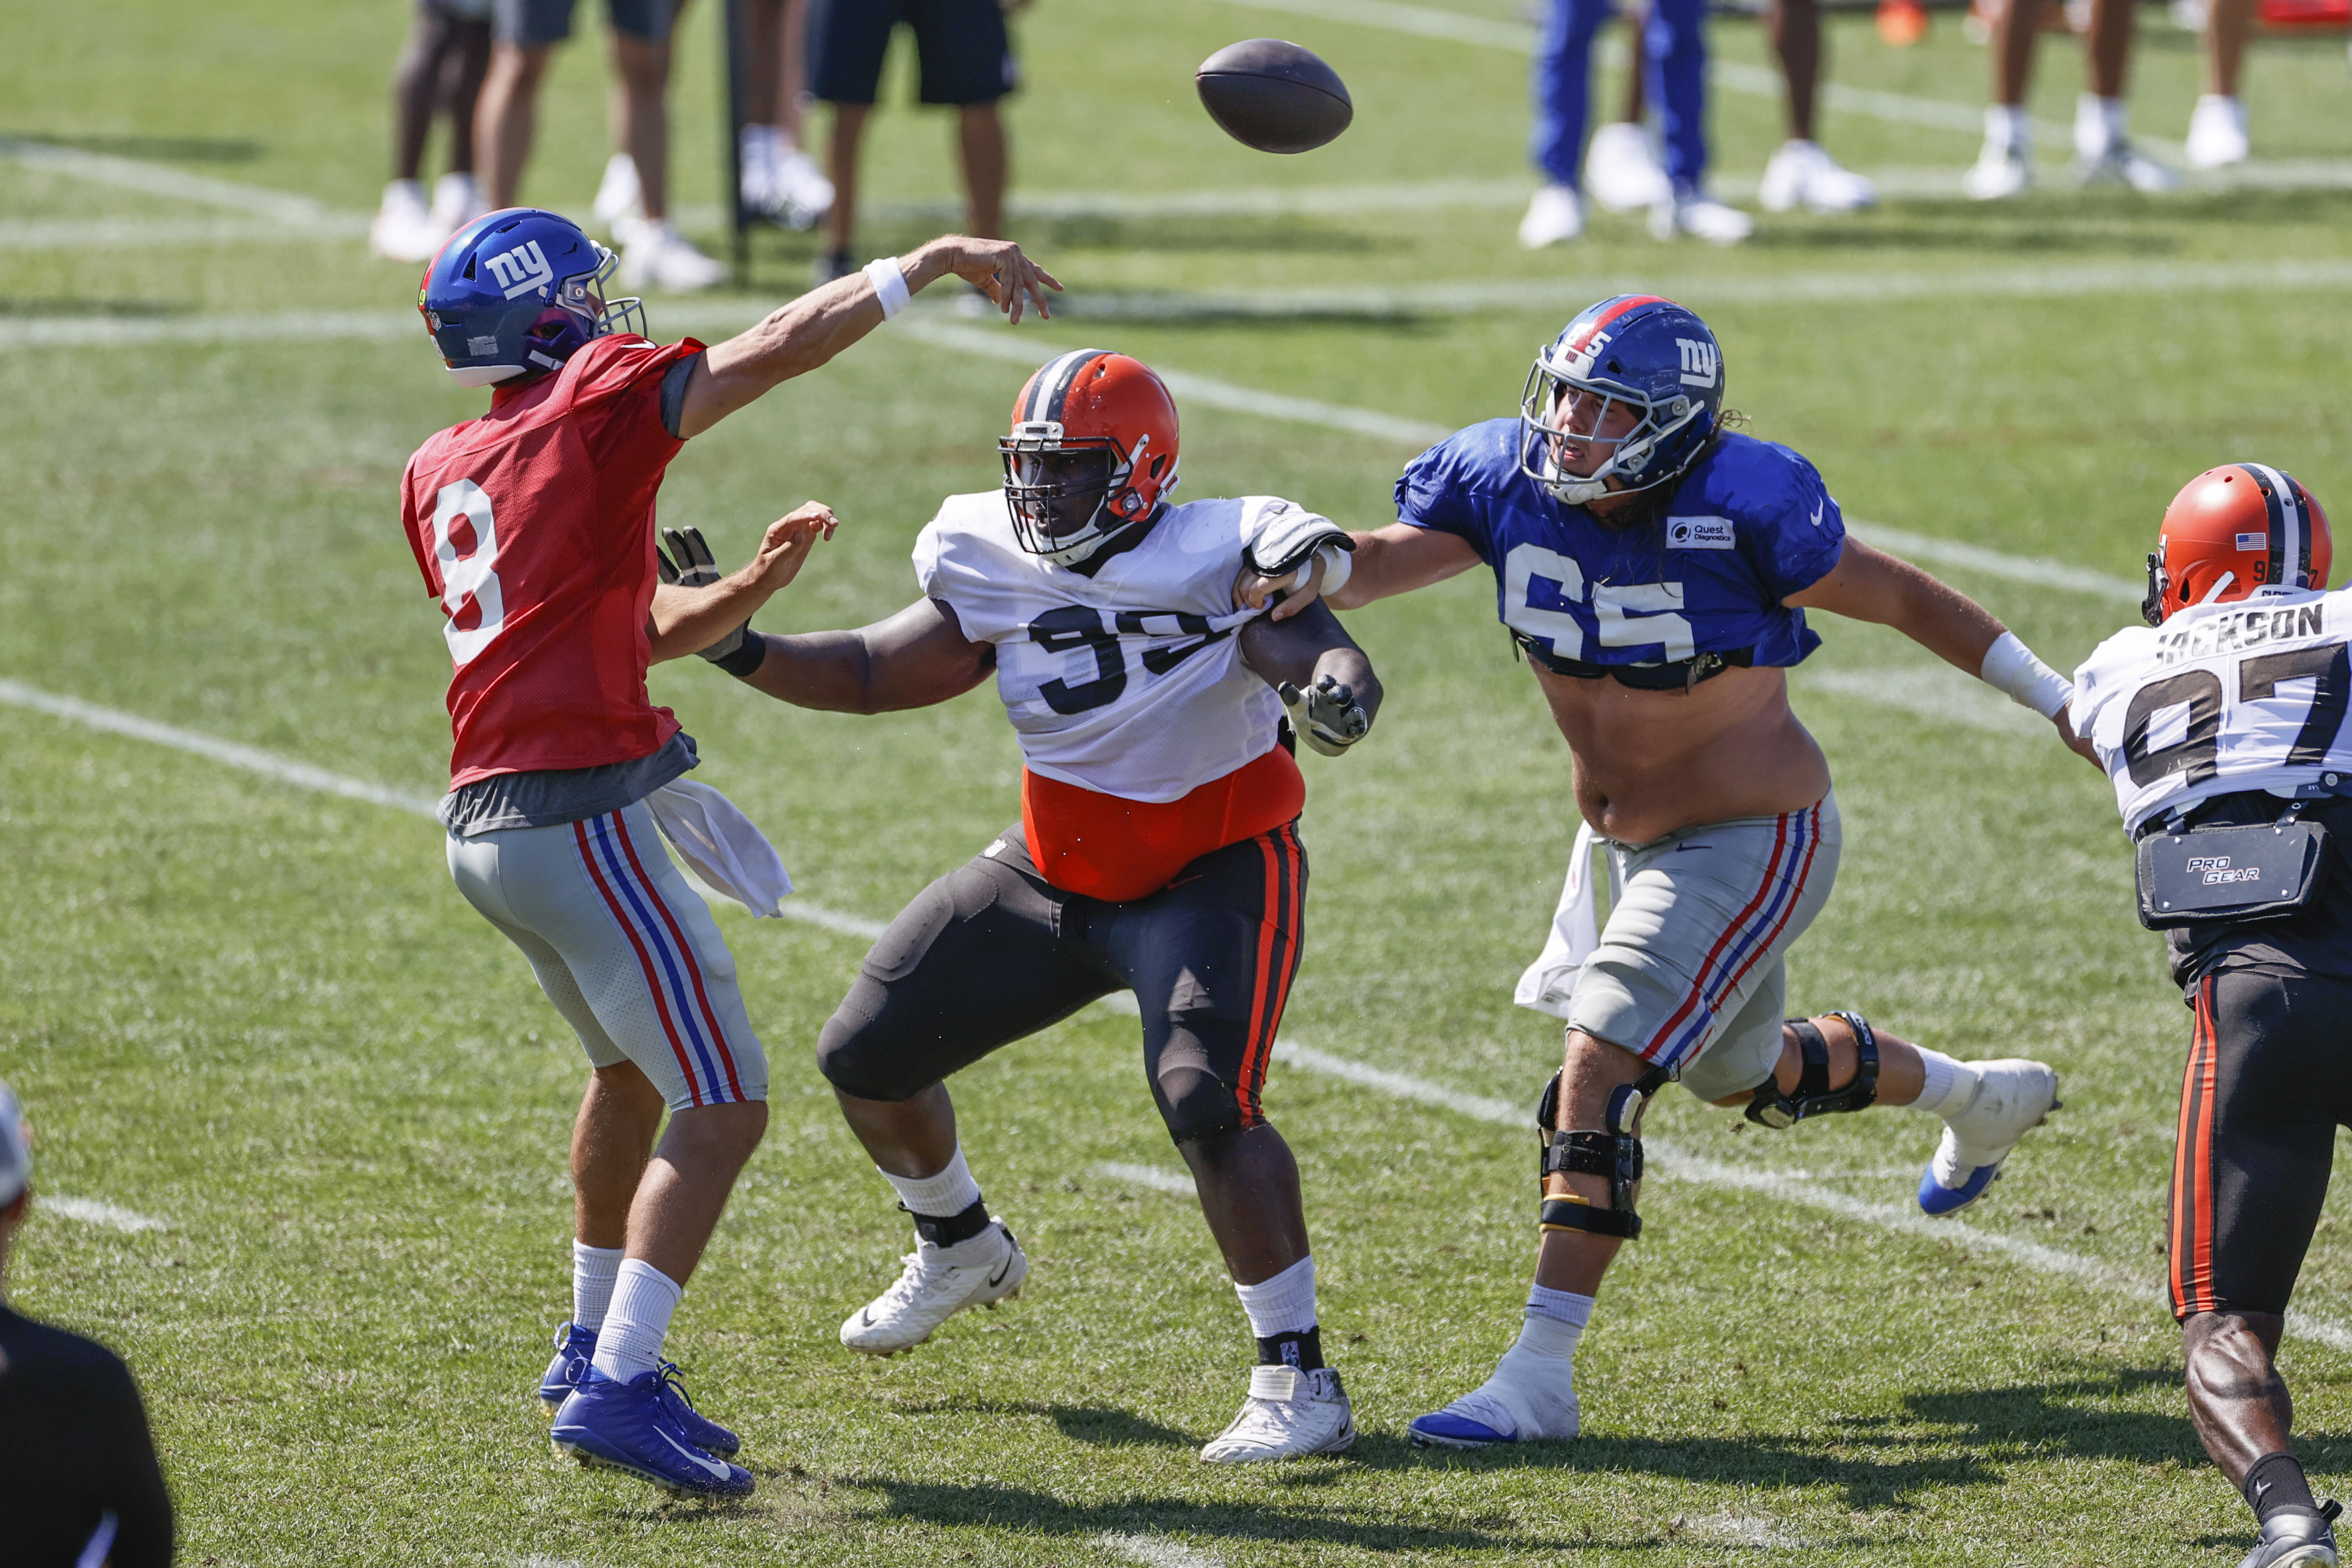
[1817, 514]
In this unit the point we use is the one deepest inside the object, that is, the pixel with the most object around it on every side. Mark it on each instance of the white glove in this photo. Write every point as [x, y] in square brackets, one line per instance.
[1333, 721]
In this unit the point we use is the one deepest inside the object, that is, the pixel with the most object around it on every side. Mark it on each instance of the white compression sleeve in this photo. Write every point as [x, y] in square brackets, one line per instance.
[2011, 668]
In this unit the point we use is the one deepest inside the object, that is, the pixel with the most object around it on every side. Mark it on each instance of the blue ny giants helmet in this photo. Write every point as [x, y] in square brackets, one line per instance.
[1646, 354]
[515, 291]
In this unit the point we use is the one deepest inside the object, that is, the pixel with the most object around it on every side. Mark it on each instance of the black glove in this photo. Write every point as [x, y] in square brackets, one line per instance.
[695, 568]
[1334, 719]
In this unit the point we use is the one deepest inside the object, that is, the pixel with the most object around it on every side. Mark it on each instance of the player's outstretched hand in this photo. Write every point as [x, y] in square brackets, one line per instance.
[785, 548]
[1333, 718]
[2075, 743]
[687, 562]
[1251, 591]
[995, 267]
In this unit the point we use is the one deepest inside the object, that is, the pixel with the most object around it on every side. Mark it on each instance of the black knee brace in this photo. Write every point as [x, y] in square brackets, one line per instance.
[1615, 1153]
[1772, 1109]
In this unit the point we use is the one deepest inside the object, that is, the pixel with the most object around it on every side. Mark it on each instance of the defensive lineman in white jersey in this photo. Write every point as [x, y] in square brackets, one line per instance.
[1158, 850]
[2222, 725]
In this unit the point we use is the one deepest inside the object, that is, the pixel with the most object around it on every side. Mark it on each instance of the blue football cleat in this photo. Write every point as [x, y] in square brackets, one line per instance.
[2012, 1097]
[573, 1346]
[1529, 1398]
[628, 1426]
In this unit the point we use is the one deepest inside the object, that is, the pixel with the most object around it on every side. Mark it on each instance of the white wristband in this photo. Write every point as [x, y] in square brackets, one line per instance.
[2010, 668]
[890, 290]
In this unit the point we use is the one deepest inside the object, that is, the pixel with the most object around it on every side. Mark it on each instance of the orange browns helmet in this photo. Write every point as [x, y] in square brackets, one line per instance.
[2230, 530]
[1093, 450]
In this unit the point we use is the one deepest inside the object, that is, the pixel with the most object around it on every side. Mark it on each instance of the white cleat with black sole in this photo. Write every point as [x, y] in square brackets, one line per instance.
[1530, 1398]
[936, 1284]
[2013, 1097]
[1289, 1415]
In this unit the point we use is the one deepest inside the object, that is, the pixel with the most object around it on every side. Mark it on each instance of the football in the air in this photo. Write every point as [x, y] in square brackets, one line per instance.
[1274, 96]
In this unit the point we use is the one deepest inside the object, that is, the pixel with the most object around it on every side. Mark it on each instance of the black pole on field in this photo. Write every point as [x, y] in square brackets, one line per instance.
[733, 54]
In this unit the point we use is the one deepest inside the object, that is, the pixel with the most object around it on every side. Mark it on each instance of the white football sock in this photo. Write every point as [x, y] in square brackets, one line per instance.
[2099, 125]
[1555, 1320]
[1282, 1305]
[593, 1270]
[629, 1344]
[941, 1196]
[1950, 1085]
[2005, 126]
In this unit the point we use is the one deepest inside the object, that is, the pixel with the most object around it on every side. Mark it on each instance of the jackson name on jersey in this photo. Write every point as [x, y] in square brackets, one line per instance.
[2247, 695]
[1129, 682]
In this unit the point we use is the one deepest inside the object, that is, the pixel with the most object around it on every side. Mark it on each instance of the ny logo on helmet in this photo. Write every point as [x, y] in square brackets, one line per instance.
[1700, 362]
[525, 268]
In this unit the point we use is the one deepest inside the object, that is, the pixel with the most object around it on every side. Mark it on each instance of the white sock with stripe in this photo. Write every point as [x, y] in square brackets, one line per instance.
[629, 1344]
[941, 1196]
[593, 1270]
[1554, 1321]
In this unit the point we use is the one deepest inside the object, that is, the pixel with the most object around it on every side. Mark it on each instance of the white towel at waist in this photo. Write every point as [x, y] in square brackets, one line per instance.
[1575, 932]
[721, 845]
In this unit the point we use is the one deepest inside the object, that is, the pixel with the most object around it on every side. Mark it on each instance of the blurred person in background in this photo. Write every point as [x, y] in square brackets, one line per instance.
[78, 1481]
[2217, 126]
[780, 180]
[441, 72]
[633, 199]
[966, 59]
[1623, 174]
[2104, 153]
[1673, 62]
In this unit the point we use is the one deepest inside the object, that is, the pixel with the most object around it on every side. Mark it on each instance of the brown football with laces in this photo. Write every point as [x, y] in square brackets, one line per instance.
[1274, 96]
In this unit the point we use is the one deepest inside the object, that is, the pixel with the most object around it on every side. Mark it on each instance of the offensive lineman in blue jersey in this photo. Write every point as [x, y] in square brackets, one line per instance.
[1657, 570]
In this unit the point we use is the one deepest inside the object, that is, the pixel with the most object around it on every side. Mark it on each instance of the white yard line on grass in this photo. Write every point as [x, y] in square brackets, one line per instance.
[1151, 1176]
[164, 180]
[1676, 1165]
[1935, 692]
[91, 1211]
[1158, 1552]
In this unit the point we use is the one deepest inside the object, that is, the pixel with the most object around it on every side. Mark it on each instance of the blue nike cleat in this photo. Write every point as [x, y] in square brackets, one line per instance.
[2012, 1097]
[628, 1426]
[1530, 1397]
[573, 1346]
[700, 1430]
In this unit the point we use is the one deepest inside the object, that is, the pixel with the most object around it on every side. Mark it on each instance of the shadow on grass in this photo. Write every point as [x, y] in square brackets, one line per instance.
[1099, 1426]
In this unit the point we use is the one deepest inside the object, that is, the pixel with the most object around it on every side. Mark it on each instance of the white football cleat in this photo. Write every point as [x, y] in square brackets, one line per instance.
[1530, 1397]
[2217, 132]
[1802, 175]
[1289, 1415]
[2002, 171]
[1554, 216]
[1621, 173]
[937, 1283]
[620, 200]
[403, 229]
[457, 201]
[1701, 217]
[804, 195]
[654, 256]
[2124, 164]
[2013, 1096]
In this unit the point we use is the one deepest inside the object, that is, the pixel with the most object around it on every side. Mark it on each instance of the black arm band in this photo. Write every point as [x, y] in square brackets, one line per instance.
[747, 657]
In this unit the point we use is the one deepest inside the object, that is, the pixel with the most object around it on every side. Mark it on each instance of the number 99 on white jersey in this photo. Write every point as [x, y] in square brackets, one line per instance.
[2250, 695]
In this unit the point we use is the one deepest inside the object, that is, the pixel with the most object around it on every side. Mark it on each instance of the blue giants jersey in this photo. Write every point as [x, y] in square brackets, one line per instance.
[1749, 525]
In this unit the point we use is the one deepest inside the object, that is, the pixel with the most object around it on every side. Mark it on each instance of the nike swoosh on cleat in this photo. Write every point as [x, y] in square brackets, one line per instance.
[1001, 1273]
[709, 1467]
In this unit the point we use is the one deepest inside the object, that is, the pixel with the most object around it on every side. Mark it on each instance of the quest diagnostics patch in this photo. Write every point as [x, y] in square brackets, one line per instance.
[1699, 533]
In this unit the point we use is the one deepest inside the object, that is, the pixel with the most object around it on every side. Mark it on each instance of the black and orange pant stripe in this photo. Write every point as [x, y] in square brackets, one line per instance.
[2268, 1079]
[992, 953]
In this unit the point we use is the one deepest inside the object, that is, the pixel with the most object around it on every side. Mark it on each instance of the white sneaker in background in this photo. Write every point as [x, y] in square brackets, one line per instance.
[2217, 132]
[457, 201]
[1288, 1415]
[1701, 217]
[654, 256]
[403, 229]
[804, 196]
[1802, 175]
[1555, 215]
[1621, 172]
[936, 1283]
[756, 151]
[2002, 171]
[619, 197]
[2124, 164]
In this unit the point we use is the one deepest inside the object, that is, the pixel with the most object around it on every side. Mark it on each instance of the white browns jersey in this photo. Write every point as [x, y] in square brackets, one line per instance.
[1129, 682]
[2247, 695]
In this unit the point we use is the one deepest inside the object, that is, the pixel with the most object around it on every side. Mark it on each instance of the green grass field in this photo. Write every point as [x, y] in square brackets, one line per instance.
[260, 1013]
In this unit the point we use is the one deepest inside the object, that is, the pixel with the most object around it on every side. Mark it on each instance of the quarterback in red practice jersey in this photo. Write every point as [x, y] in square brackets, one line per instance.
[534, 527]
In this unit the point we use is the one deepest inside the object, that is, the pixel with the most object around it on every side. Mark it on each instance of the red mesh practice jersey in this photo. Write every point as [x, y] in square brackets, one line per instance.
[534, 526]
